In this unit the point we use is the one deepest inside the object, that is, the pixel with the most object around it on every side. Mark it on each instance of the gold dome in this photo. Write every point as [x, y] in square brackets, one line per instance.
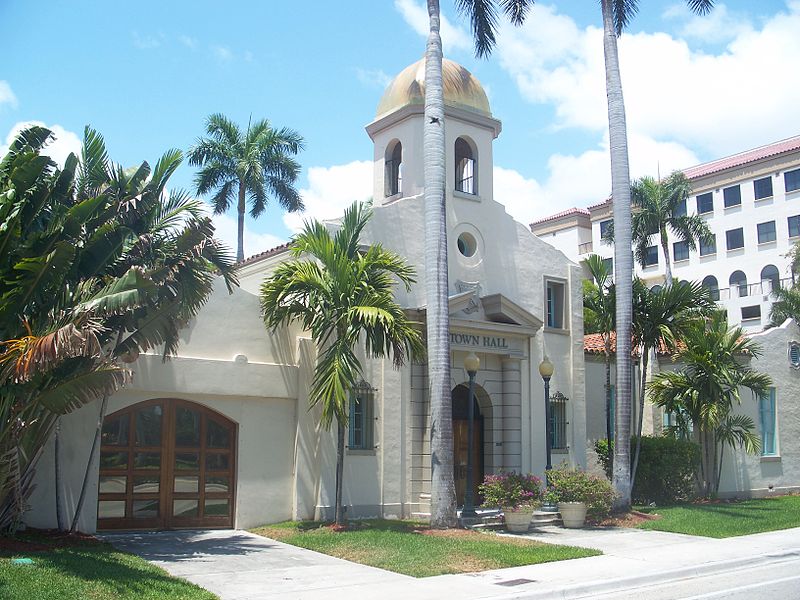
[461, 89]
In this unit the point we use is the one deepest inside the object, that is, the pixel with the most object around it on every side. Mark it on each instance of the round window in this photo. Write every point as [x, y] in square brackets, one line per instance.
[467, 244]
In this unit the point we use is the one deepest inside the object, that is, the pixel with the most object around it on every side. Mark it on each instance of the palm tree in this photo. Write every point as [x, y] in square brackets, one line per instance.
[785, 306]
[95, 265]
[706, 389]
[254, 165]
[483, 19]
[599, 303]
[658, 206]
[342, 293]
[660, 319]
[616, 16]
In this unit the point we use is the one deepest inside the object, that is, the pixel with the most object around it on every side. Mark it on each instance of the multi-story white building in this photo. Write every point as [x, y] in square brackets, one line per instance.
[751, 202]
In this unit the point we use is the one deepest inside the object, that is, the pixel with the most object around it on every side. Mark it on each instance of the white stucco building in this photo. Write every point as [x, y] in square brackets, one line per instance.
[222, 435]
[751, 203]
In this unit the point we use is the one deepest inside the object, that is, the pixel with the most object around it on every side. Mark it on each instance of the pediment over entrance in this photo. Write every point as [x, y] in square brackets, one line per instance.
[500, 309]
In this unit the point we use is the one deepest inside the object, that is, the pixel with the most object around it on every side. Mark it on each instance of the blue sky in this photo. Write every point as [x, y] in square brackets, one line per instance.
[147, 74]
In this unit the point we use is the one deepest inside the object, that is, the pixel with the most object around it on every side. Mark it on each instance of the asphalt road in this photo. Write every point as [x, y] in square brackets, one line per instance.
[774, 581]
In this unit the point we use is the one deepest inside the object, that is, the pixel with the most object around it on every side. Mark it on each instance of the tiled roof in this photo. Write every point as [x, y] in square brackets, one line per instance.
[265, 254]
[565, 213]
[593, 344]
[743, 158]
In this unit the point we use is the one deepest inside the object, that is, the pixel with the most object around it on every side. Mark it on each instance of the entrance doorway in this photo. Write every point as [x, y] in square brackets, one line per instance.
[460, 397]
[166, 463]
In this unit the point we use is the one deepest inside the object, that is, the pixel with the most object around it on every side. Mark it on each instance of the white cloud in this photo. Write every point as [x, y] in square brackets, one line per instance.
[7, 95]
[374, 78]
[59, 149]
[188, 41]
[723, 102]
[331, 190]
[222, 53]
[226, 229]
[416, 15]
[717, 26]
[583, 179]
[146, 41]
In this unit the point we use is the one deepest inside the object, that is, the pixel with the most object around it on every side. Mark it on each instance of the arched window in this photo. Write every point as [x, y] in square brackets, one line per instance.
[712, 285]
[465, 167]
[738, 280]
[770, 274]
[655, 289]
[394, 171]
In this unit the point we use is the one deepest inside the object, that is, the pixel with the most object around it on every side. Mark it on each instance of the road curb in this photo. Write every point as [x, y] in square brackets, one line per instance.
[581, 590]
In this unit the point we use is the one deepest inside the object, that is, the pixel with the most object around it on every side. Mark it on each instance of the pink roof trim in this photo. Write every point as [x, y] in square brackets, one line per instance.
[743, 158]
[265, 254]
[565, 213]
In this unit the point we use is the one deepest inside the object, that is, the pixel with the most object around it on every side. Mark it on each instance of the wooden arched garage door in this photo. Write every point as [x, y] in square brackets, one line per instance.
[166, 463]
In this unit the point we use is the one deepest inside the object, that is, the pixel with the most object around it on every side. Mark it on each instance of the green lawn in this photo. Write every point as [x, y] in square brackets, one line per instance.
[414, 549]
[87, 570]
[727, 519]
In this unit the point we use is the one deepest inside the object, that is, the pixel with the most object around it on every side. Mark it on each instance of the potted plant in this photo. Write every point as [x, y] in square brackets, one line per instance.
[517, 495]
[577, 493]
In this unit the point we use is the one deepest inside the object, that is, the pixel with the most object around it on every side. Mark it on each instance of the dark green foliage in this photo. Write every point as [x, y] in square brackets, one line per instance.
[565, 484]
[666, 468]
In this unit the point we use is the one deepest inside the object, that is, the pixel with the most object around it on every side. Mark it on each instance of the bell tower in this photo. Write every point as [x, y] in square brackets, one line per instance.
[396, 133]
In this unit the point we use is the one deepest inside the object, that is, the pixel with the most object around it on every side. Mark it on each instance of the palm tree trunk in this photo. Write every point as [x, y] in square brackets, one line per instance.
[718, 472]
[240, 208]
[339, 471]
[98, 431]
[57, 467]
[623, 258]
[443, 491]
[640, 420]
[667, 257]
[609, 437]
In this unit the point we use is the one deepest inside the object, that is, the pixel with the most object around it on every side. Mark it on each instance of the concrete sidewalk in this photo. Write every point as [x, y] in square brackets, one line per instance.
[237, 565]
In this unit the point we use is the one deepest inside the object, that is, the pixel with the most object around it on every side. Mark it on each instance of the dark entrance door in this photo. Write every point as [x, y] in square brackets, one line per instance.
[460, 438]
[166, 463]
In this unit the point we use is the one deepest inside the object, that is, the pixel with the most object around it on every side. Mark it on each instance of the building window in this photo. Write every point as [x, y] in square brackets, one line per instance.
[794, 226]
[794, 354]
[360, 423]
[651, 256]
[738, 281]
[751, 312]
[555, 305]
[763, 188]
[767, 417]
[608, 263]
[680, 209]
[605, 228]
[394, 171]
[712, 285]
[791, 180]
[709, 246]
[680, 250]
[770, 279]
[656, 289]
[732, 196]
[465, 167]
[705, 203]
[735, 238]
[766, 232]
[558, 421]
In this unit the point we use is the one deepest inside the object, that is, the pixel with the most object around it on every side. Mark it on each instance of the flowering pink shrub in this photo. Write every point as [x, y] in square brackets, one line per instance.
[511, 490]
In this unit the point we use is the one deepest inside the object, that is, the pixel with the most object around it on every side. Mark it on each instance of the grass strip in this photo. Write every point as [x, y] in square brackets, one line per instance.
[84, 569]
[412, 548]
[727, 519]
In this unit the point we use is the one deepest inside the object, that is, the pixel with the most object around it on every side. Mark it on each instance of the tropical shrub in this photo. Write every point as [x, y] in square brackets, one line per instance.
[666, 468]
[511, 490]
[567, 484]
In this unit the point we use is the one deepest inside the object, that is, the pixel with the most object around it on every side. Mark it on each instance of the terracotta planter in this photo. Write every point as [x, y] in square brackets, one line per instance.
[520, 520]
[573, 514]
